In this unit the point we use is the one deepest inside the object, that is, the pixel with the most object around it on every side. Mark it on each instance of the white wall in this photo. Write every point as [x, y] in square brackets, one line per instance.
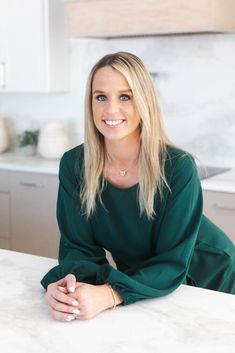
[195, 80]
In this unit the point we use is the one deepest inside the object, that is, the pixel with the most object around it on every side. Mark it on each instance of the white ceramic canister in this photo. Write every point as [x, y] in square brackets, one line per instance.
[53, 140]
[4, 137]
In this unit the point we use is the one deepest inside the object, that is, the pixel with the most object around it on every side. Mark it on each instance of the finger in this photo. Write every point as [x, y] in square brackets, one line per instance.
[62, 316]
[64, 308]
[62, 289]
[62, 297]
[79, 316]
[61, 282]
[57, 306]
[70, 283]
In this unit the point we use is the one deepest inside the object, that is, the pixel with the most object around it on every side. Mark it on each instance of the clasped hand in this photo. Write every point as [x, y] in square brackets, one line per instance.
[69, 300]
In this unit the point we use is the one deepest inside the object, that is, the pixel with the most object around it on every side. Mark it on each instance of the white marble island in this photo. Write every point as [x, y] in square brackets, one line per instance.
[189, 320]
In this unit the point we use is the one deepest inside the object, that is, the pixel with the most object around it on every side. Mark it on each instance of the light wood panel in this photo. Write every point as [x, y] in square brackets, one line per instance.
[111, 18]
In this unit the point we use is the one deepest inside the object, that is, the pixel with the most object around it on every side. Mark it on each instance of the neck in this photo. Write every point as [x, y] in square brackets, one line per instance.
[123, 153]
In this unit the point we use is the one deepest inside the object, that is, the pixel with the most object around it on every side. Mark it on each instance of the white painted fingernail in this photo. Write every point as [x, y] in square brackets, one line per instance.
[70, 318]
[71, 289]
[62, 288]
[74, 303]
[76, 311]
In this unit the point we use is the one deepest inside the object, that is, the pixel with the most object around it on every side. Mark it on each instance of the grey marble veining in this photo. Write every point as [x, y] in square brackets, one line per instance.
[196, 86]
[188, 320]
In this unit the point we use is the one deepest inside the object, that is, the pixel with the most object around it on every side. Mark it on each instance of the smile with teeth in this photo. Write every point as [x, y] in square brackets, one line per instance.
[113, 122]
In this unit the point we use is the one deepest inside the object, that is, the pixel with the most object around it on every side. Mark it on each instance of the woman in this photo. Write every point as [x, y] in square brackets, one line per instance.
[130, 191]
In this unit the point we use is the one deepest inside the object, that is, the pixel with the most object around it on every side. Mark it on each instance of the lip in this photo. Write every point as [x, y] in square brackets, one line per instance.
[115, 125]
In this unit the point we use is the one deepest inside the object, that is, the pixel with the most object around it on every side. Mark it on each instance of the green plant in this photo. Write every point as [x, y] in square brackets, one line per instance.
[28, 138]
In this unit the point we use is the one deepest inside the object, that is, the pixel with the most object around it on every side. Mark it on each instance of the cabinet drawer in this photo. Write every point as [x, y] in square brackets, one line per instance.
[32, 182]
[4, 181]
[219, 207]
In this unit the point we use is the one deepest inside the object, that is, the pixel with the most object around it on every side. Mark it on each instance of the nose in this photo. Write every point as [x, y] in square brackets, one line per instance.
[112, 106]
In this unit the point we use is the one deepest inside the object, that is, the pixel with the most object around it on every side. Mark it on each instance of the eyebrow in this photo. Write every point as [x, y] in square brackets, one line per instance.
[121, 91]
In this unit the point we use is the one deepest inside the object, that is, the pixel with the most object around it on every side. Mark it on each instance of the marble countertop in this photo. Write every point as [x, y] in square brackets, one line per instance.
[35, 164]
[224, 182]
[188, 320]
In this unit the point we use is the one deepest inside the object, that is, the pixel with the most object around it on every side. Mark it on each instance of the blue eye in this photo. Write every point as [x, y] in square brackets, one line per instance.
[101, 98]
[125, 97]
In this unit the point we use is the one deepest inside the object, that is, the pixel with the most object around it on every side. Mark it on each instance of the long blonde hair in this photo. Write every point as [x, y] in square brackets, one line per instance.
[153, 138]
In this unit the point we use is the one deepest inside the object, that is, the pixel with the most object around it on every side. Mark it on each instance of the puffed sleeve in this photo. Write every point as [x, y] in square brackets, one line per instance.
[78, 253]
[177, 234]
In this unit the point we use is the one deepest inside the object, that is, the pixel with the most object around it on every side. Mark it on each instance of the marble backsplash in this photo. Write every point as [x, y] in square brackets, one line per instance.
[194, 77]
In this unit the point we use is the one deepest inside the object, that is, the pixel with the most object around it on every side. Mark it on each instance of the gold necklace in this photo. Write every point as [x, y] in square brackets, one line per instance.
[122, 172]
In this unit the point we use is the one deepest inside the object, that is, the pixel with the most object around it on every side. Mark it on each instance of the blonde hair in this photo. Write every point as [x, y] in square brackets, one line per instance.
[153, 138]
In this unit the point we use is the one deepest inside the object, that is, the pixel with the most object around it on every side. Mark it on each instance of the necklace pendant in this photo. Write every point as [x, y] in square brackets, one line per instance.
[122, 172]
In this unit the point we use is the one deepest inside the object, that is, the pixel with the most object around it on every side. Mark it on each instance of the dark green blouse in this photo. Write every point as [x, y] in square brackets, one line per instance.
[153, 257]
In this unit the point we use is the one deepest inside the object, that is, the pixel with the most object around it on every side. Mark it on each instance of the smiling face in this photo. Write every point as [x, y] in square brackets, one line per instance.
[113, 108]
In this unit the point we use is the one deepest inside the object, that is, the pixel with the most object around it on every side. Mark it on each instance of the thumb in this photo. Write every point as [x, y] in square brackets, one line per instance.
[70, 283]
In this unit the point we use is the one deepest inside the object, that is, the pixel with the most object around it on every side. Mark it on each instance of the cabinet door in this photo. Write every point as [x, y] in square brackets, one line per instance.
[219, 207]
[5, 241]
[2, 46]
[33, 46]
[4, 211]
[33, 213]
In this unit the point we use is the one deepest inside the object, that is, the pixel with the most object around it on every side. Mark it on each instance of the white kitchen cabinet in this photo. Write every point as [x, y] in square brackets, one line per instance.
[33, 46]
[219, 207]
[4, 211]
[109, 18]
[33, 213]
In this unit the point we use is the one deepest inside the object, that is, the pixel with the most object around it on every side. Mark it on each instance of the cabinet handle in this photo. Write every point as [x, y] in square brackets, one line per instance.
[32, 185]
[3, 74]
[221, 207]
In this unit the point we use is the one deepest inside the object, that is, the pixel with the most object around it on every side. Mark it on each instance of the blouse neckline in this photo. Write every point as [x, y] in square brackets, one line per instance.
[112, 186]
